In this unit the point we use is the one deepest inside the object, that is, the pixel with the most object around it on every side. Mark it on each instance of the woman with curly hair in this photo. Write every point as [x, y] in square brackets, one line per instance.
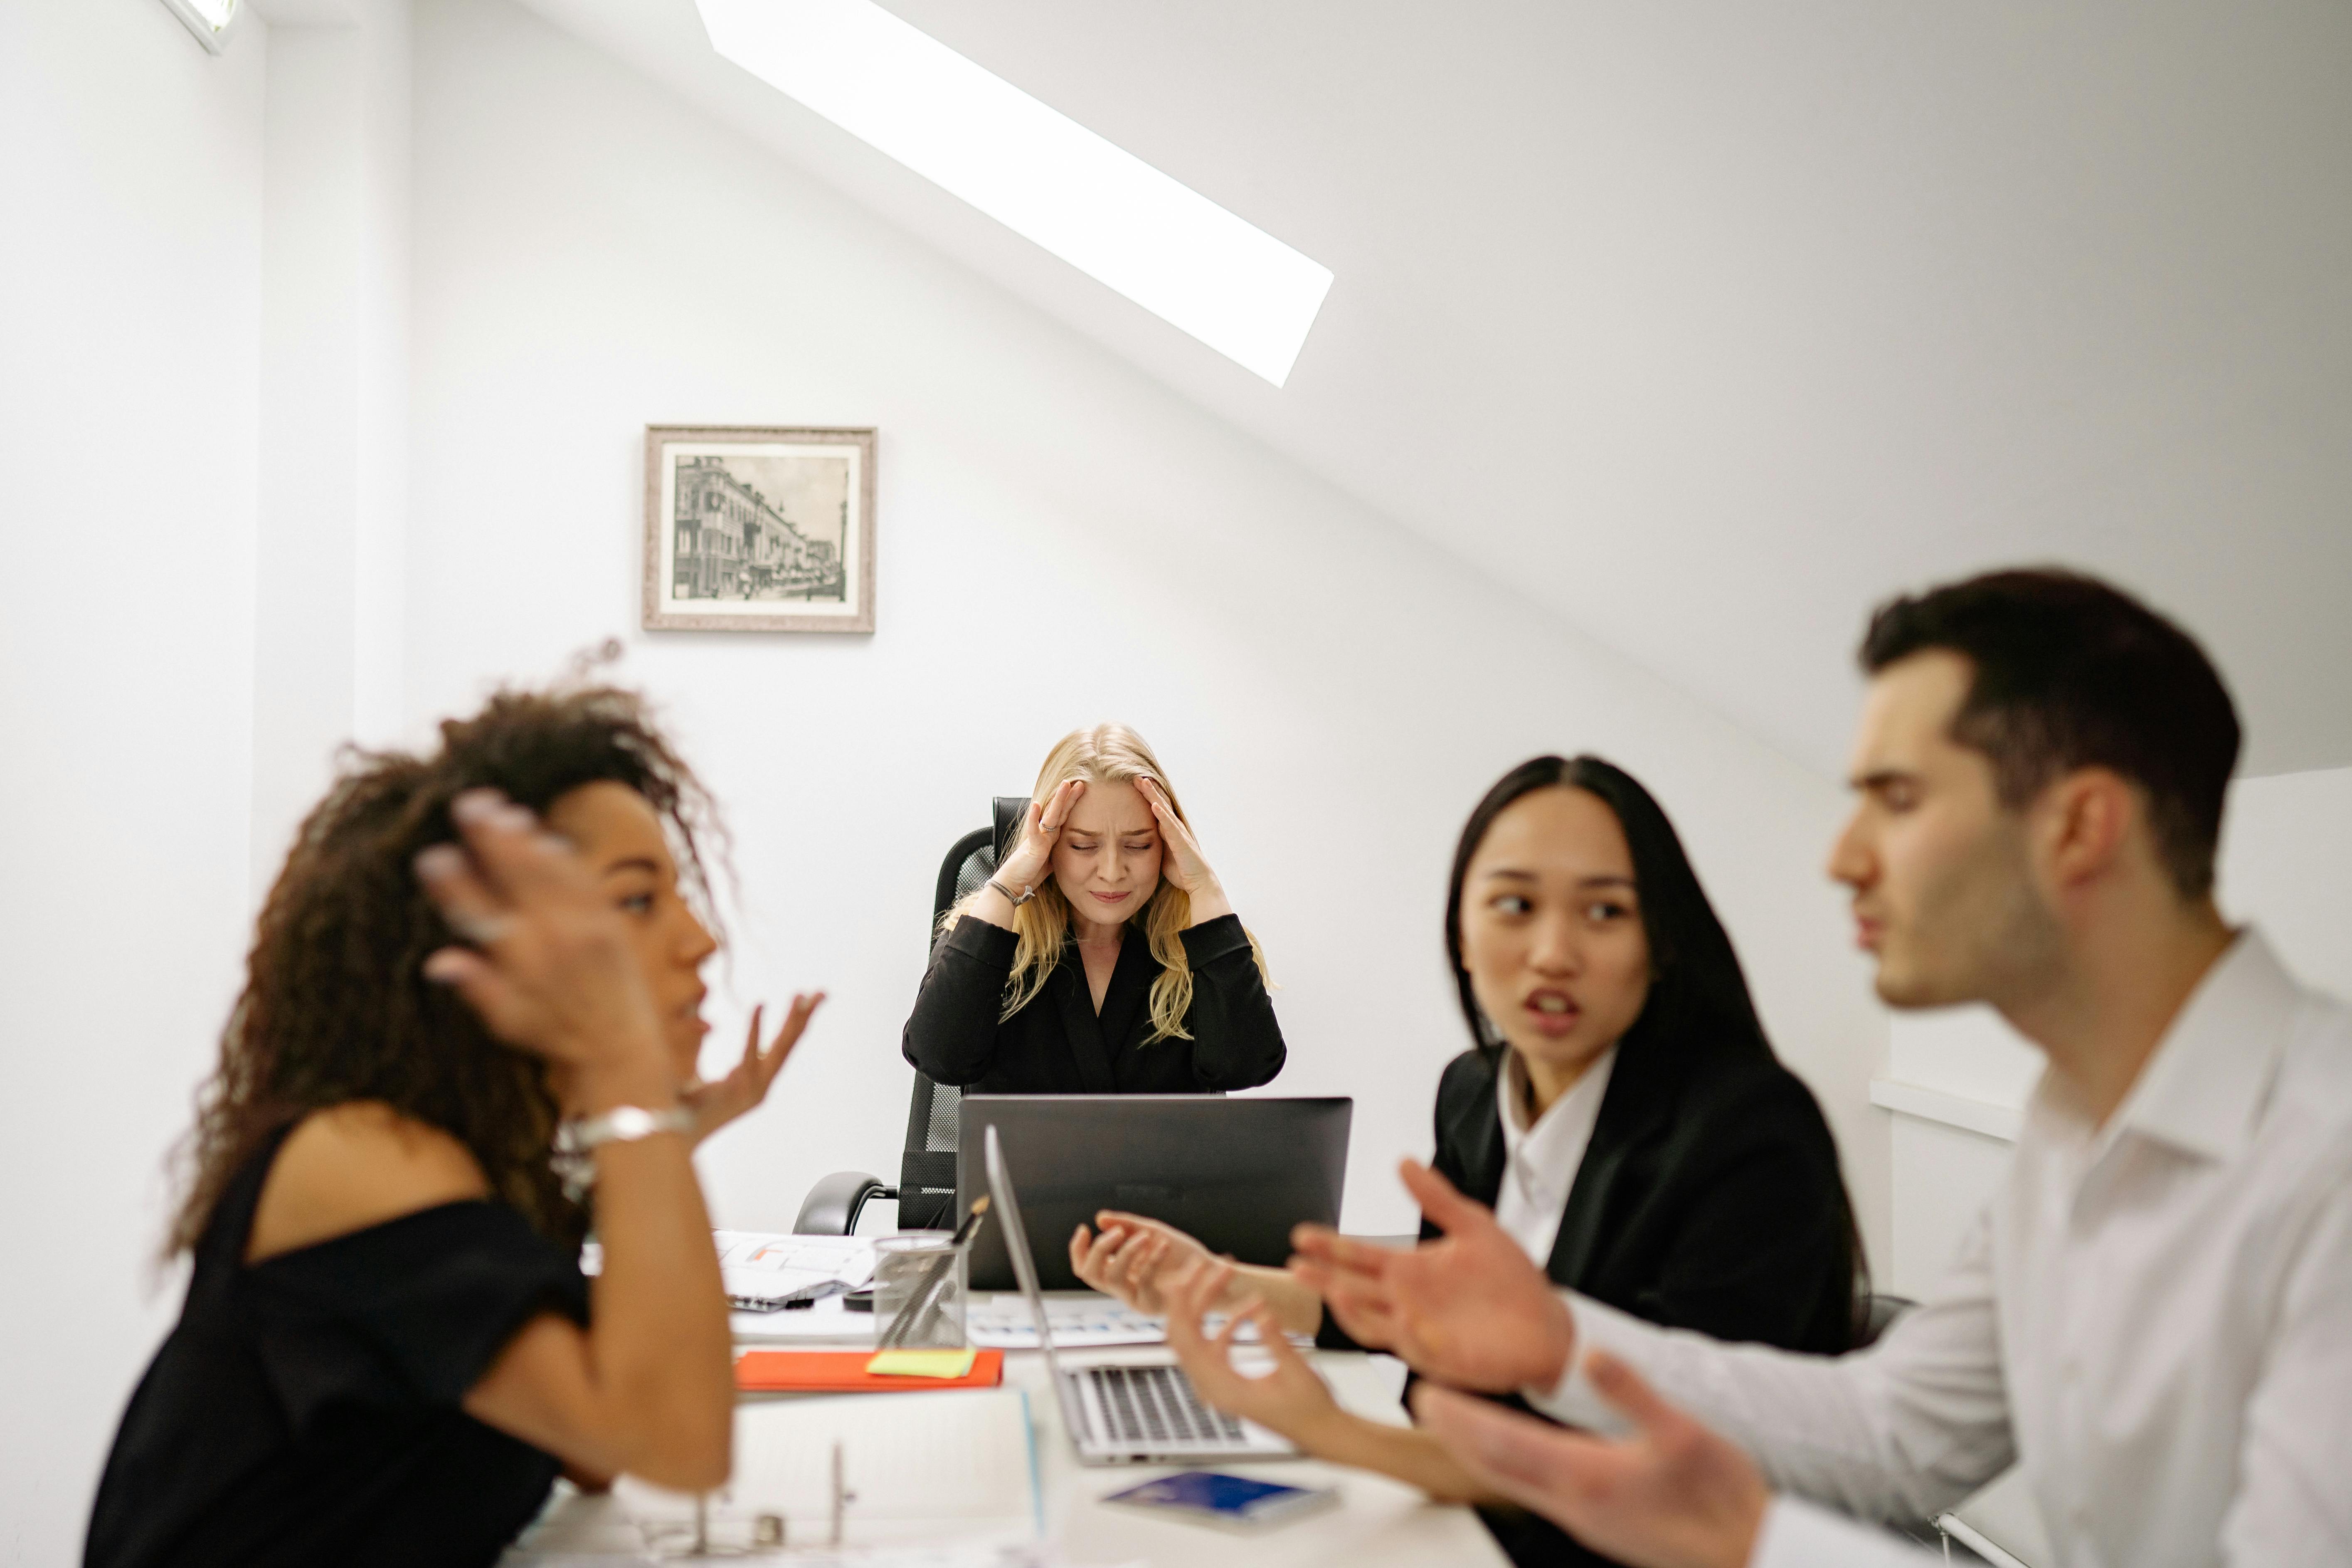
[388, 1351]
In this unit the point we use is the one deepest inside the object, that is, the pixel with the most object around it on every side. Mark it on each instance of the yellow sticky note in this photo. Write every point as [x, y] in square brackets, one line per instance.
[922, 1364]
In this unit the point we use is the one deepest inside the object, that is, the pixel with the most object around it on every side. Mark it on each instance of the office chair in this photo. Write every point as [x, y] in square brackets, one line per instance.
[927, 1166]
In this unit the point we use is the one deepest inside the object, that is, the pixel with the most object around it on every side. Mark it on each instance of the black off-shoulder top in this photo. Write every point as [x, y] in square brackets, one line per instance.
[304, 1410]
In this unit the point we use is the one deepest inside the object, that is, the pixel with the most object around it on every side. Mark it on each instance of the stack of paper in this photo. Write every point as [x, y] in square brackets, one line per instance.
[766, 1270]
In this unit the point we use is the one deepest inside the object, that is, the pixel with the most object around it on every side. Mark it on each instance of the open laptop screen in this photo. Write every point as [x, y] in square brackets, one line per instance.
[1237, 1174]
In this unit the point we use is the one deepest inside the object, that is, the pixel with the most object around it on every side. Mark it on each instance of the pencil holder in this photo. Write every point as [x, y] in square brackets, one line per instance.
[918, 1292]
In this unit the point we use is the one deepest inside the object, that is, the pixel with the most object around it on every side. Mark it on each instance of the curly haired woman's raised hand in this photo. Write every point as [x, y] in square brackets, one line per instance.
[721, 1100]
[548, 966]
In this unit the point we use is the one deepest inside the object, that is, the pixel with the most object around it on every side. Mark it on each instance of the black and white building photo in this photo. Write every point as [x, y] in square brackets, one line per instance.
[759, 530]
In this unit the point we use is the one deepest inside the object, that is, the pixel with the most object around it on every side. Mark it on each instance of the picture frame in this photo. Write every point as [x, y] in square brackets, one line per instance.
[754, 528]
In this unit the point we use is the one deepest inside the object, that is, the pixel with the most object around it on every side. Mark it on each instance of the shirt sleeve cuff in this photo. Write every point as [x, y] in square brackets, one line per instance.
[975, 938]
[1210, 940]
[1573, 1399]
[1798, 1534]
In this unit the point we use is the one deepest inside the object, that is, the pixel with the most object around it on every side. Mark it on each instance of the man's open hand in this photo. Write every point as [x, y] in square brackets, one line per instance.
[1467, 1309]
[1672, 1495]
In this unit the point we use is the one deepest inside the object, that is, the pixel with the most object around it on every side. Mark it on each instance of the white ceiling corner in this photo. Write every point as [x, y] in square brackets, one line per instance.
[1708, 325]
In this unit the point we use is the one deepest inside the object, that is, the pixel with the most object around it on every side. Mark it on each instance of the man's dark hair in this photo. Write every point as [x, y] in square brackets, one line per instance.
[2071, 673]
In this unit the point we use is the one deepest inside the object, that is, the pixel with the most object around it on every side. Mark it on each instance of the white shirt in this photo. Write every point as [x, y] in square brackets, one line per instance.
[2153, 1318]
[1539, 1162]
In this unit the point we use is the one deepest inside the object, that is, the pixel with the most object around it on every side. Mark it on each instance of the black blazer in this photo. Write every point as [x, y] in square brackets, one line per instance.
[1057, 1044]
[1709, 1198]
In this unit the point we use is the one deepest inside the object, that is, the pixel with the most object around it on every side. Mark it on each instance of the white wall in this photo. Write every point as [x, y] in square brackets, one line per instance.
[204, 387]
[130, 265]
[334, 378]
[2286, 866]
[1062, 541]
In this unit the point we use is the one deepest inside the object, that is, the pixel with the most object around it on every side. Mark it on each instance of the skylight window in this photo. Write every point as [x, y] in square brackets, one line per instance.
[1039, 173]
[210, 20]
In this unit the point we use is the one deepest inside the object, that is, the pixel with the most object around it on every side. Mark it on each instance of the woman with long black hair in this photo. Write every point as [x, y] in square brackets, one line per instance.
[1620, 1109]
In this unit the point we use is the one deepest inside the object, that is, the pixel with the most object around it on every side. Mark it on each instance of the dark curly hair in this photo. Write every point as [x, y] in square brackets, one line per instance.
[335, 1006]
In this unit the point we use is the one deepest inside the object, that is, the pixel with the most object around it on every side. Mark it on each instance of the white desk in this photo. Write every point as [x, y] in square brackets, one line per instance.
[1380, 1523]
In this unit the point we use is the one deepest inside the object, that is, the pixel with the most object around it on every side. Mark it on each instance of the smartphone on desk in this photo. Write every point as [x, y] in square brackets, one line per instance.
[1227, 1502]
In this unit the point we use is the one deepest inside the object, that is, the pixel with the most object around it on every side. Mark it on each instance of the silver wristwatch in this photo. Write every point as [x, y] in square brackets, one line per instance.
[1009, 898]
[577, 1139]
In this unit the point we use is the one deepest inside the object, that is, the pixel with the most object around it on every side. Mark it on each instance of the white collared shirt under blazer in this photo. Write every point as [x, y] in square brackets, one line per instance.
[2152, 1318]
[1540, 1159]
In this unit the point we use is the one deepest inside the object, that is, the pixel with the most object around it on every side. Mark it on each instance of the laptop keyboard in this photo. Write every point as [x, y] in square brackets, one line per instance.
[1155, 1406]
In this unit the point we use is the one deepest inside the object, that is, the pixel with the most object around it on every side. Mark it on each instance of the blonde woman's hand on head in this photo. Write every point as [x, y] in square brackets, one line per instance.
[721, 1100]
[1032, 853]
[550, 968]
[1182, 864]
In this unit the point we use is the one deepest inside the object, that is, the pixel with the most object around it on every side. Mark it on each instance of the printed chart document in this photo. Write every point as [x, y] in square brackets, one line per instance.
[759, 1265]
[1081, 1322]
[765, 1270]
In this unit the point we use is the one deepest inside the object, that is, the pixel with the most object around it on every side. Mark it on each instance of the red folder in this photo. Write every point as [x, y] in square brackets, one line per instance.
[844, 1372]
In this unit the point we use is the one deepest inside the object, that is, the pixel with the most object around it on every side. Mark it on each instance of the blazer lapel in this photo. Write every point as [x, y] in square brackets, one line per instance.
[1477, 1139]
[1080, 1025]
[1637, 1104]
[1125, 997]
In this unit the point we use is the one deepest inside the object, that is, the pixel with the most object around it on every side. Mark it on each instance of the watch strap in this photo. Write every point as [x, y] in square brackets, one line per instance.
[578, 1139]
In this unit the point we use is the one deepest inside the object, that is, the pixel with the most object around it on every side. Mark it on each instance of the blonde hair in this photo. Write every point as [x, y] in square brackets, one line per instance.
[1107, 753]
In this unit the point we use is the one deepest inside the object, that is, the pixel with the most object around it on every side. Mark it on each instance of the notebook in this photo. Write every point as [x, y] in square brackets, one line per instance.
[946, 1467]
[844, 1372]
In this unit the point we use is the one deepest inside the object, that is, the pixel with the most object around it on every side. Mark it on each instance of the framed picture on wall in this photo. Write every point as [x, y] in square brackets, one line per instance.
[757, 529]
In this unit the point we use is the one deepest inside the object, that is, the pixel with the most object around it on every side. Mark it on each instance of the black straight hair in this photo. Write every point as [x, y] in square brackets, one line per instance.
[1695, 983]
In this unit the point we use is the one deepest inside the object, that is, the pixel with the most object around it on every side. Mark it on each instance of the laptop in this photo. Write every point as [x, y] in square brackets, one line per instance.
[1124, 1414]
[1234, 1175]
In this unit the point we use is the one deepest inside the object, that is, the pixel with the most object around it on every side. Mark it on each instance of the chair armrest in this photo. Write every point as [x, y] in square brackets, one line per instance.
[832, 1205]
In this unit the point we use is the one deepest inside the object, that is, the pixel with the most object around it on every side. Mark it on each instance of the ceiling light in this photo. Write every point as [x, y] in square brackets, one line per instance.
[1039, 173]
[209, 20]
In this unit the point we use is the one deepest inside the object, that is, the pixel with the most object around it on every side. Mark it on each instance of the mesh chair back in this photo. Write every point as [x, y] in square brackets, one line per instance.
[927, 1167]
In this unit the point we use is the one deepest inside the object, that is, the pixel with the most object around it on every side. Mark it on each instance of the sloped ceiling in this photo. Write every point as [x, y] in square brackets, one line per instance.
[1709, 324]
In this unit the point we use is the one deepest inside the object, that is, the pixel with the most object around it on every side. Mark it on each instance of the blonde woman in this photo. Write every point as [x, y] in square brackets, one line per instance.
[1103, 957]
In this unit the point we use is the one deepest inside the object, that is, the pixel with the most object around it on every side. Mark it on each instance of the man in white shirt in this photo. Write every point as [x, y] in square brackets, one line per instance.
[2153, 1317]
